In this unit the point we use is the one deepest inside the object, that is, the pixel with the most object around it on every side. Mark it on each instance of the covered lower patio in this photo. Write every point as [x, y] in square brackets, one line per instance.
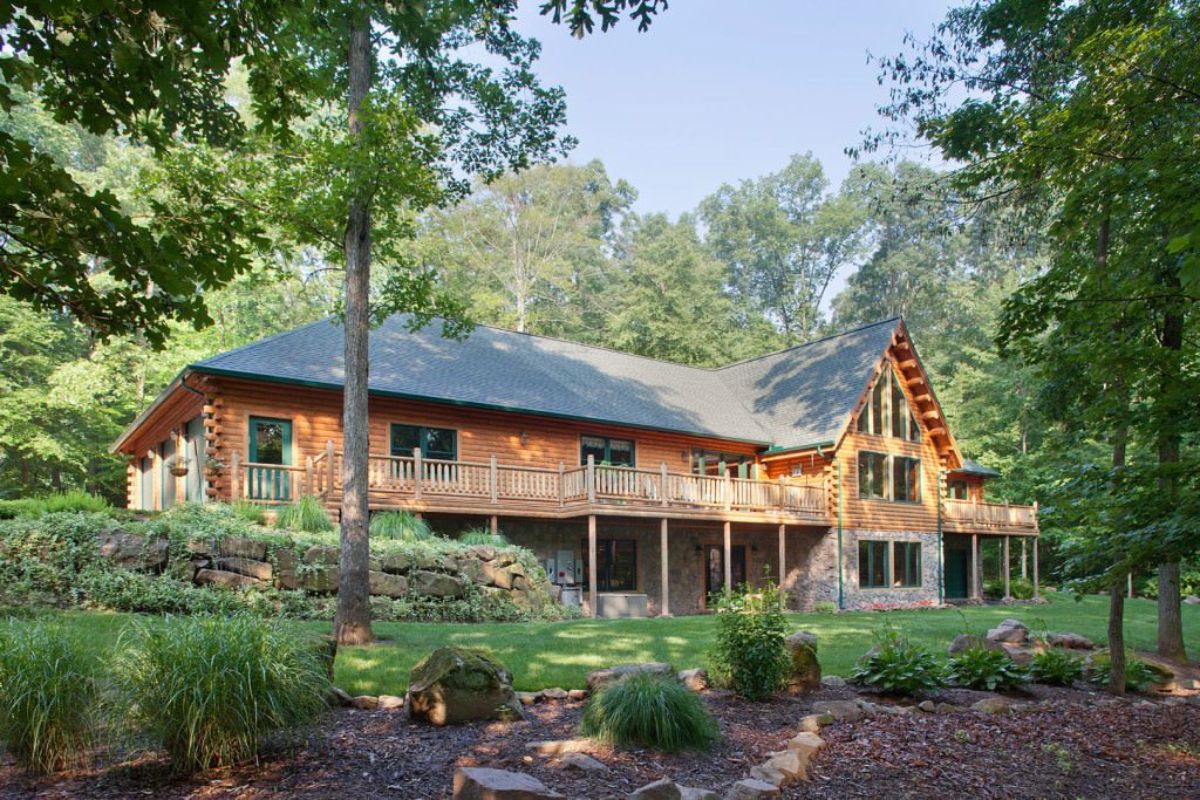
[616, 566]
[969, 560]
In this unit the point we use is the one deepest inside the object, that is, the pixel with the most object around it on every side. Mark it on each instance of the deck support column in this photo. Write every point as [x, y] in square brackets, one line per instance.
[592, 564]
[1024, 560]
[1036, 592]
[976, 568]
[782, 563]
[495, 524]
[665, 609]
[1007, 581]
[728, 556]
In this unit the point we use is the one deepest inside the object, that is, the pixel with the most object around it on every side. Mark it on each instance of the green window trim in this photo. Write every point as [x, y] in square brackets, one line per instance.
[285, 429]
[404, 437]
[601, 449]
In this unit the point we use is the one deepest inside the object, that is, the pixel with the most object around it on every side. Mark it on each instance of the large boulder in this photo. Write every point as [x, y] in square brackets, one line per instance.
[286, 563]
[805, 673]
[260, 570]
[396, 563]
[226, 580]
[241, 547]
[436, 584]
[1071, 641]
[386, 584]
[600, 678]
[968, 641]
[483, 783]
[131, 551]
[1010, 631]
[457, 684]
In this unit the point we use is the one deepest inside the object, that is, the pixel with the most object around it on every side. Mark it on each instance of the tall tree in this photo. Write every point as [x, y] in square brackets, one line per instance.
[783, 237]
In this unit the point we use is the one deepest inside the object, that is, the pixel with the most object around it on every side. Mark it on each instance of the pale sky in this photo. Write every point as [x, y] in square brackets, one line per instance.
[720, 90]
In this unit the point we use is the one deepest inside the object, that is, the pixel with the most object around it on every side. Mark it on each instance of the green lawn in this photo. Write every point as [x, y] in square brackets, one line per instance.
[561, 654]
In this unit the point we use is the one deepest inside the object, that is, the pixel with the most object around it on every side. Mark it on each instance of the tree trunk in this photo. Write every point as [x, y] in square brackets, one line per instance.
[1120, 441]
[1170, 623]
[1170, 620]
[1116, 635]
[352, 624]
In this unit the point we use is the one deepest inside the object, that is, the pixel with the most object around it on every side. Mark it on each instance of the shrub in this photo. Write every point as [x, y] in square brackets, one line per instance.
[1018, 588]
[1056, 666]
[76, 500]
[985, 668]
[250, 512]
[476, 536]
[211, 689]
[306, 514]
[749, 655]
[1138, 674]
[649, 710]
[897, 666]
[49, 696]
[23, 507]
[400, 526]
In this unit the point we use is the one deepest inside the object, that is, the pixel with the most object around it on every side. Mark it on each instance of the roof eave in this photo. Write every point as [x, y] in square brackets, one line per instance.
[141, 418]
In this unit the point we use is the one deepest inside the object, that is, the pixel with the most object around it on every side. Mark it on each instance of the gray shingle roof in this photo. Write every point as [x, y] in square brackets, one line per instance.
[972, 467]
[798, 396]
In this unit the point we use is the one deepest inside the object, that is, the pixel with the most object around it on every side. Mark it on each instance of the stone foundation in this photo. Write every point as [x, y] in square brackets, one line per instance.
[856, 598]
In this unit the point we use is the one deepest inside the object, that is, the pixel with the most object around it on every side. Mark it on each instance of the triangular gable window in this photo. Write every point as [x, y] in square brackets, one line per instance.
[887, 412]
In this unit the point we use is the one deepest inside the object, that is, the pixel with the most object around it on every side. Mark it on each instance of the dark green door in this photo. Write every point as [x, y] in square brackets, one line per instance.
[958, 564]
[270, 443]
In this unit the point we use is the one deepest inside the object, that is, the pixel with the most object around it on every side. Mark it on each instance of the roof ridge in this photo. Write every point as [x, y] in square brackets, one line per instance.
[802, 345]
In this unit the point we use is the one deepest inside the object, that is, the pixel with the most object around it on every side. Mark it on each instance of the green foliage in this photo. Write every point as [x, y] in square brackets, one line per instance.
[253, 513]
[209, 690]
[47, 717]
[896, 666]
[1139, 675]
[400, 526]
[985, 668]
[748, 654]
[1056, 666]
[483, 536]
[1018, 588]
[306, 514]
[71, 500]
[647, 710]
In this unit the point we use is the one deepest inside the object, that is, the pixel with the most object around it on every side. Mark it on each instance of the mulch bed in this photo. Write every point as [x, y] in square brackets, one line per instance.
[1068, 744]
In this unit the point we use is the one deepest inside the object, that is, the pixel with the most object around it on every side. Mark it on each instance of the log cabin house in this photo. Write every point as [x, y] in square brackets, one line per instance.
[644, 486]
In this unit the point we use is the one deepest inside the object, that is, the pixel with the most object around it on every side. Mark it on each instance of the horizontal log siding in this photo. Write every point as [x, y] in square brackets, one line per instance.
[316, 419]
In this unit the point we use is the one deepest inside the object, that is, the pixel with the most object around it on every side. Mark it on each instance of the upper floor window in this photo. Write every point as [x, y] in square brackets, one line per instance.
[886, 412]
[437, 443]
[956, 490]
[605, 450]
[888, 477]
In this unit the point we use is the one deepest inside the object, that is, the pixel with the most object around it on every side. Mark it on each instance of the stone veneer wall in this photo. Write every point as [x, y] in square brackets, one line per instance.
[925, 594]
[811, 554]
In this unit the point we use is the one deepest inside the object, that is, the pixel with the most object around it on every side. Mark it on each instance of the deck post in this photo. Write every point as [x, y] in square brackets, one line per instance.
[308, 475]
[417, 470]
[662, 490]
[1036, 592]
[329, 455]
[495, 522]
[728, 557]
[782, 563]
[235, 464]
[591, 562]
[494, 483]
[976, 564]
[562, 485]
[1007, 582]
[591, 479]
[1024, 559]
[665, 611]
[728, 492]
[782, 493]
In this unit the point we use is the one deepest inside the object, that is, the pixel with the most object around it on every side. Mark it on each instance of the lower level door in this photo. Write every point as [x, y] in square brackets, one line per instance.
[714, 567]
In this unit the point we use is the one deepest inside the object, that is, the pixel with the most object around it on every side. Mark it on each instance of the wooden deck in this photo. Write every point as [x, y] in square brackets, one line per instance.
[419, 484]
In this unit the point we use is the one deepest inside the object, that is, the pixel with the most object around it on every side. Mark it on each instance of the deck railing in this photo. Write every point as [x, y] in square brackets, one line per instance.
[1000, 516]
[273, 484]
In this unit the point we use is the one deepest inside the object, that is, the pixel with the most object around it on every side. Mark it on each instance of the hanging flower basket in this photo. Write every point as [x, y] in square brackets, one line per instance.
[179, 467]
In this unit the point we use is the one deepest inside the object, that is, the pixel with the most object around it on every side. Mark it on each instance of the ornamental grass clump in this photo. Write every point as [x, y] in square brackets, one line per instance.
[306, 514]
[249, 512]
[483, 536]
[985, 668]
[48, 697]
[400, 526]
[897, 666]
[749, 654]
[649, 710]
[1057, 667]
[210, 690]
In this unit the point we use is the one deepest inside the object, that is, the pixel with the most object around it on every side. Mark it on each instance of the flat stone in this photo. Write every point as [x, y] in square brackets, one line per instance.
[577, 694]
[927, 706]
[260, 570]
[365, 702]
[992, 705]
[225, 580]
[813, 722]
[692, 793]
[483, 783]
[751, 789]
[1017, 654]
[555, 694]
[946, 708]
[436, 584]
[1071, 641]
[320, 555]
[792, 763]
[390, 702]
[286, 561]
[805, 744]
[840, 710]
[663, 789]
[241, 547]
[1192, 600]
[386, 584]
[529, 698]
[581, 762]
[833, 681]
[1010, 630]
[557, 747]
[1191, 684]
[694, 679]
[396, 563]
[768, 774]
[967, 641]
[340, 697]
[132, 551]
[602, 677]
